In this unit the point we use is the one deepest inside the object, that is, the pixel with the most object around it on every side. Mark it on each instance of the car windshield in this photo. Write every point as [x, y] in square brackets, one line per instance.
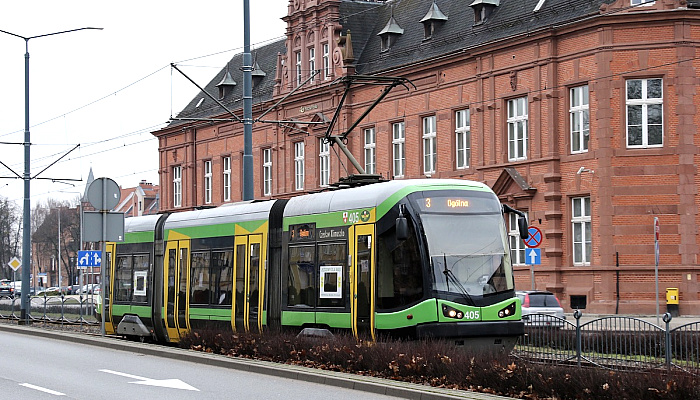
[468, 253]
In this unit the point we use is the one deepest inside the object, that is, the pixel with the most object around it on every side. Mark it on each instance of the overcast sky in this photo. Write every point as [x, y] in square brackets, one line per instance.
[108, 90]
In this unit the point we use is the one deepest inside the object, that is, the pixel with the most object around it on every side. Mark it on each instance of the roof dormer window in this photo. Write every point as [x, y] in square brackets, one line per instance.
[483, 9]
[258, 74]
[390, 33]
[432, 20]
[226, 85]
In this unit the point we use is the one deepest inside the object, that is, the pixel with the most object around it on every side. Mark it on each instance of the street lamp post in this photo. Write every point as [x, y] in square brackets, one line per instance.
[26, 225]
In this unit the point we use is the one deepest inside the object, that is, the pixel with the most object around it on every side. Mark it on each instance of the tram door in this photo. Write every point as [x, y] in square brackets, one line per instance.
[107, 295]
[249, 278]
[176, 276]
[363, 281]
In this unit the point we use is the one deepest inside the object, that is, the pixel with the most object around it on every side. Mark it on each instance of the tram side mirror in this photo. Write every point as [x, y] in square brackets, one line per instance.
[522, 222]
[401, 226]
[522, 227]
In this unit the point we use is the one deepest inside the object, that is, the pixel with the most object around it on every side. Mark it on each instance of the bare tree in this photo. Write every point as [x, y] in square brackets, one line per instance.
[9, 236]
[46, 239]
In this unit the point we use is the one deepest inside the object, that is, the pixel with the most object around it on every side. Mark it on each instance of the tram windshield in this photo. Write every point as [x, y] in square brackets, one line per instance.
[468, 250]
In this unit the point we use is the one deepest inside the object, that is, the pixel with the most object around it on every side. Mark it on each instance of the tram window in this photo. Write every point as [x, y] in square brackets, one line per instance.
[399, 272]
[122, 279]
[300, 289]
[240, 278]
[222, 277]
[141, 273]
[199, 281]
[107, 277]
[253, 282]
[331, 262]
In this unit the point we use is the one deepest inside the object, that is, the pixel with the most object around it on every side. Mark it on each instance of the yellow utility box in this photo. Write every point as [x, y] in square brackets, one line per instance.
[672, 297]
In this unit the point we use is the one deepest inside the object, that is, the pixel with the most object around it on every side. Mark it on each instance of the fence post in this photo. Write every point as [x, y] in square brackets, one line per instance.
[63, 303]
[578, 314]
[667, 319]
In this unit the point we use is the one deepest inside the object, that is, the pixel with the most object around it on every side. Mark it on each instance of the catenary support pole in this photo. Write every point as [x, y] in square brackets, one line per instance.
[26, 222]
[247, 107]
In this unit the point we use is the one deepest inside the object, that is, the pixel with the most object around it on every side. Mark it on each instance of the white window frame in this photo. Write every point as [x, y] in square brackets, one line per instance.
[398, 144]
[227, 178]
[429, 145]
[517, 245]
[517, 129]
[642, 3]
[312, 62]
[581, 250]
[177, 186]
[207, 182]
[462, 138]
[267, 172]
[324, 162]
[370, 144]
[299, 166]
[579, 119]
[326, 61]
[298, 66]
[644, 103]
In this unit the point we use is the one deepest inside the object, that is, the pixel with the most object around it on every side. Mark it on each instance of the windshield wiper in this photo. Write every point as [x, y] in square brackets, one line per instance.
[451, 275]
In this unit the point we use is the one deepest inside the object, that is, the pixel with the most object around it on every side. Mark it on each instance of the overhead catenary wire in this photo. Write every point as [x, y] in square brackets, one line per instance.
[271, 40]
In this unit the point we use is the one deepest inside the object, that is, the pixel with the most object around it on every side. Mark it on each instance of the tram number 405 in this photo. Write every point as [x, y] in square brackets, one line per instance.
[471, 315]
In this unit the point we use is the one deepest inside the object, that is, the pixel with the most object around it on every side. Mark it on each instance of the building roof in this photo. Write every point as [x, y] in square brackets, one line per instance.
[130, 197]
[367, 19]
[510, 18]
[265, 58]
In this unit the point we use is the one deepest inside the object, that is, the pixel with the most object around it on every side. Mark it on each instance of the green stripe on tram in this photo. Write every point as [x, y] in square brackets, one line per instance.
[138, 237]
[219, 314]
[421, 313]
[140, 311]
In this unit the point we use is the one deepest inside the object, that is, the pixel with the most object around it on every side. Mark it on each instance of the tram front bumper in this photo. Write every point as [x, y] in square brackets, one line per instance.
[471, 329]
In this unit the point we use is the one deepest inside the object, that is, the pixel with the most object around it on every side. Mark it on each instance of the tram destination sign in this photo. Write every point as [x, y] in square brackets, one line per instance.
[302, 232]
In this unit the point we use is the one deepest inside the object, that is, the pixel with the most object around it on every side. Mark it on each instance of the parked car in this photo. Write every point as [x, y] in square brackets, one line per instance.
[6, 288]
[90, 288]
[50, 291]
[541, 309]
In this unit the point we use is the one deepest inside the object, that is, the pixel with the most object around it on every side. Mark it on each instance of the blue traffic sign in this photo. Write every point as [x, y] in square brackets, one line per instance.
[534, 237]
[89, 258]
[533, 256]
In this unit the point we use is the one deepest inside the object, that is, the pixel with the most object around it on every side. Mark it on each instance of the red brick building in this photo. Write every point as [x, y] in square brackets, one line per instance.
[141, 200]
[582, 114]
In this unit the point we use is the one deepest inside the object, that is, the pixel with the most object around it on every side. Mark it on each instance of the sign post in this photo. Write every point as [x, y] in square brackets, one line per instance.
[533, 255]
[104, 195]
[15, 263]
[656, 268]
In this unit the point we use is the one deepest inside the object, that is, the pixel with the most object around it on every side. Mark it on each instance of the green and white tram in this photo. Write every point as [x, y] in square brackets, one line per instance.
[408, 258]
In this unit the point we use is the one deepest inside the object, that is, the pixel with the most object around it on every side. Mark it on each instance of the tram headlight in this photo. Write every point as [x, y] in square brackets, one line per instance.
[507, 312]
[451, 312]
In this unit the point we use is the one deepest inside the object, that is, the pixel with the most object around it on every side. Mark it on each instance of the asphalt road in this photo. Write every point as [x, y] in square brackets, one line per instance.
[43, 364]
[46, 368]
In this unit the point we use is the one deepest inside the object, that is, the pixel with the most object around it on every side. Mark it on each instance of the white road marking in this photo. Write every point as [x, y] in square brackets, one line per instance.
[41, 389]
[169, 383]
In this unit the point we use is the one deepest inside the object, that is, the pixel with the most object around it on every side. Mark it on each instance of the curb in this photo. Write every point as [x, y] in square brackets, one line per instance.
[331, 378]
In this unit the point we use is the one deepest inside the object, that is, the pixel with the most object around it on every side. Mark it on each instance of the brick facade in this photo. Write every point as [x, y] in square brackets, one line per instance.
[627, 186]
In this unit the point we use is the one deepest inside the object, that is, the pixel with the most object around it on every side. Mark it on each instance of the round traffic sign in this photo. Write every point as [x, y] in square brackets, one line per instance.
[103, 194]
[534, 237]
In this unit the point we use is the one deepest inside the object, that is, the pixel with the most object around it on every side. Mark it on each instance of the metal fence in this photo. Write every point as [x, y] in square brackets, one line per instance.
[614, 342]
[71, 309]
